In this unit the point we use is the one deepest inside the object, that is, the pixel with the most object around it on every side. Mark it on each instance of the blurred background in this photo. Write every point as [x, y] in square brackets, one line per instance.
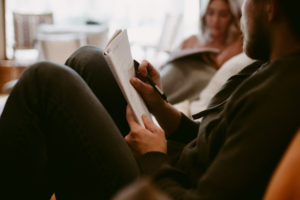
[52, 29]
[38, 30]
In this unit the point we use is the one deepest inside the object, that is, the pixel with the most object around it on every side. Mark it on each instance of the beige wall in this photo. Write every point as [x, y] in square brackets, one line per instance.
[2, 30]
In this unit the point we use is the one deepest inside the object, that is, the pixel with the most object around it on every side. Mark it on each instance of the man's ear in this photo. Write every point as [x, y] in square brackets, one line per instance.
[272, 10]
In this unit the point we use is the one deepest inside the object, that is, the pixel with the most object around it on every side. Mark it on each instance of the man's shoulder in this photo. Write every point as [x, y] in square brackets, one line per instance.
[288, 63]
[285, 70]
[274, 81]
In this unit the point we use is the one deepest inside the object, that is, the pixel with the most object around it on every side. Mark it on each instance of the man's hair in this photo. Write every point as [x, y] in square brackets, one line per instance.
[291, 10]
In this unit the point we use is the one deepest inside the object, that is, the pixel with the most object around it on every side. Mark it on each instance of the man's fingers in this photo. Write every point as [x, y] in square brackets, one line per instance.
[146, 68]
[151, 70]
[139, 85]
[134, 125]
[149, 124]
[143, 68]
[131, 118]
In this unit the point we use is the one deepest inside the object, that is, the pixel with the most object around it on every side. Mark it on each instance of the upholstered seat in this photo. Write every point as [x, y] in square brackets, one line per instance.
[285, 183]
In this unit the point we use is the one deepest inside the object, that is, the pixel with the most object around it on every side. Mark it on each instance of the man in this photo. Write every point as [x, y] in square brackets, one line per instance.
[55, 135]
[239, 143]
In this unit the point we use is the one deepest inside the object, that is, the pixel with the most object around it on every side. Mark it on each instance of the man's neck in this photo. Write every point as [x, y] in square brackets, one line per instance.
[283, 43]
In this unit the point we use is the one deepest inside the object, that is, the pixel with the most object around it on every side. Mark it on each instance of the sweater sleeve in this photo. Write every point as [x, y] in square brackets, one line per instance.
[258, 126]
[186, 131]
[150, 162]
[242, 167]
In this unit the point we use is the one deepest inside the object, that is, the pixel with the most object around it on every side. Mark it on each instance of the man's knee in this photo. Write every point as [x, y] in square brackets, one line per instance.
[90, 50]
[86, 54]
[43, 80]
[45, 70]
[47, 74]
[90, 64]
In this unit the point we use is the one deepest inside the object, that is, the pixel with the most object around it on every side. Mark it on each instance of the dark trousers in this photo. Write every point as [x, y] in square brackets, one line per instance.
[62, 131]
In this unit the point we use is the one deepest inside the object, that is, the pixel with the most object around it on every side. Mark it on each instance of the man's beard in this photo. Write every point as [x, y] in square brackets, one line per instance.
[256, 43]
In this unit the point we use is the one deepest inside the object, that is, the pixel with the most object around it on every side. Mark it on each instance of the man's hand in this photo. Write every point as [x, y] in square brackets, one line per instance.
[141, 140]
[152, 99]
[147, 69]
[167, 117]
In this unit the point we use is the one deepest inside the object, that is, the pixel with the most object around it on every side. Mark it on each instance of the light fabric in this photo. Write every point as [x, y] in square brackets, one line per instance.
[231, 67]
[2, 103]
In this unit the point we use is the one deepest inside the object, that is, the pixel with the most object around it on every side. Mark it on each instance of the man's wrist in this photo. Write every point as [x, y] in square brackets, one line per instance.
[161, 107]
[168, 117]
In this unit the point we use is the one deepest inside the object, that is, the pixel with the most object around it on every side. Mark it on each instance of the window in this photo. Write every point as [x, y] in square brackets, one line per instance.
[2, 30]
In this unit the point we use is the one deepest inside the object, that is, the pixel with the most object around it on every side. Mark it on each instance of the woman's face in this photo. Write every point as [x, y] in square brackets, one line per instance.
[218, 17]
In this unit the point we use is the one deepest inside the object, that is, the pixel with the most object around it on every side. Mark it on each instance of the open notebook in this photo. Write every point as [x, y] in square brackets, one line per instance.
[192, 52]
[118, 56]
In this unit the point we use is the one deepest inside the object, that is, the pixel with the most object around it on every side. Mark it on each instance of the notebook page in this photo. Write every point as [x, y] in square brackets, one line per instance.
[122, 65]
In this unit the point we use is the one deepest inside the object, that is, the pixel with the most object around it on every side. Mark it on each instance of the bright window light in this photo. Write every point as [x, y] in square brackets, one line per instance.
[115, 13]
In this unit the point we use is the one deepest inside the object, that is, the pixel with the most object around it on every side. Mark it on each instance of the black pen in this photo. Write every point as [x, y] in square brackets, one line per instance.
[156, 88]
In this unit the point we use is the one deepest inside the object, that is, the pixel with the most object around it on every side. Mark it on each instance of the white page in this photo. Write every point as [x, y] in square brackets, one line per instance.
[119, 57]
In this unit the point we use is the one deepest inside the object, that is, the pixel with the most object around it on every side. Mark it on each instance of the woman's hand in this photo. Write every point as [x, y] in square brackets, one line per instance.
[191, 43]
[143, 140]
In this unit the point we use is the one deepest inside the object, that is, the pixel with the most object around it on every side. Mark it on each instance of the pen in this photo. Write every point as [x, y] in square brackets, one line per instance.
[156, 88]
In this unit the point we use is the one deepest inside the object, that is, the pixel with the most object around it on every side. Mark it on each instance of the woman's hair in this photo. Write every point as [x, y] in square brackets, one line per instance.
[234, 29]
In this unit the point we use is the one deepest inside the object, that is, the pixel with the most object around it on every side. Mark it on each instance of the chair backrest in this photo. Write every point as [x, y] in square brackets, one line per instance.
[26, 26]
[169, 32]
[2, 32]
[98, 38]
[285, 182]
[58, 47]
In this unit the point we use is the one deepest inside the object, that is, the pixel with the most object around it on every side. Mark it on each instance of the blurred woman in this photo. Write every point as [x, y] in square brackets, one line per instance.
[219, 28]
[183, 79]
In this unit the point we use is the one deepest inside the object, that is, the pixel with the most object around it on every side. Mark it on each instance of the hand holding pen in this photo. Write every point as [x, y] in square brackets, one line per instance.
[152, 72]
[166, 115]
[150, 95]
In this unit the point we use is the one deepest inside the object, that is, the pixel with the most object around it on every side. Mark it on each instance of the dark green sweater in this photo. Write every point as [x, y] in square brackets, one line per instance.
[234, 151]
